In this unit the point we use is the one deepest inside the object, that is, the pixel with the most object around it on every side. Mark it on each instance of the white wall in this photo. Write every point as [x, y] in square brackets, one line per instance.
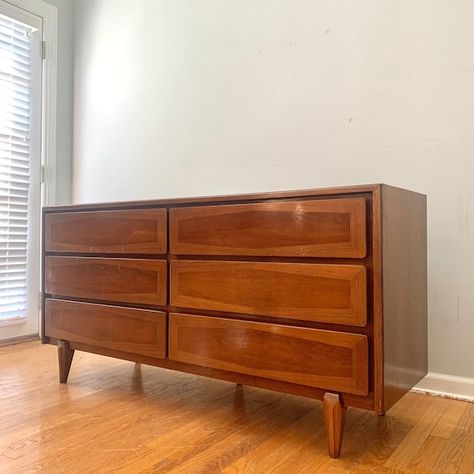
[64, 102]
[178, 97]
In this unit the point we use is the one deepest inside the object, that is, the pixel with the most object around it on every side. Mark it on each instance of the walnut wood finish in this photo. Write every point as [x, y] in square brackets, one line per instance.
[314, 292]
[129, 330]
[313, 228]
[404, 281]
[239, 241]
[334, 418]
[107, 279]
[65, 356]
[327, 359]
[315, 193]
[136, 232]
[365, 402]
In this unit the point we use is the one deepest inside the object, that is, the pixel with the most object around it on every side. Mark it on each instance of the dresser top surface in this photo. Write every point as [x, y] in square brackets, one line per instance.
[221, 199]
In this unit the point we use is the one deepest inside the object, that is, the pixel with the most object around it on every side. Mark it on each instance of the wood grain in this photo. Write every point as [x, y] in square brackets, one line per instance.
[365, 402]
[311, 228]
[313, 292]
[334, 418]
[141, 231]
[107, 279]
[325, 359]
[129, 330]
[256, 259]
[405, 319]
[123, 417]
[377, 299]
[338, 191]
[65, 356]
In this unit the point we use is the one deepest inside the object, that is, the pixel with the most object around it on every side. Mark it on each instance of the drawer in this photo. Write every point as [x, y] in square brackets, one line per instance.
[311, 228]
[324, 359]
[132, 231]
[109, 279]
[124, 329]
[313, 292]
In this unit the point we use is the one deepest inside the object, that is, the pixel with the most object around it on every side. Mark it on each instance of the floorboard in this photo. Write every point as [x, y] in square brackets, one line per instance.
[119, 417]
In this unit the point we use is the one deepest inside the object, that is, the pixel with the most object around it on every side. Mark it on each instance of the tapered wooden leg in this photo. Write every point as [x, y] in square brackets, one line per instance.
[334, 417]
[65, 355]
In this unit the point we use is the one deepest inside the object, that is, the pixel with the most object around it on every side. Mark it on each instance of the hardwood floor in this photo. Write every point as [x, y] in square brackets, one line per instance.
[116, 416]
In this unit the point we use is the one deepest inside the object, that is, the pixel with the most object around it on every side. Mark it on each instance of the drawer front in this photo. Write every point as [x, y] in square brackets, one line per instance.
[325, 293]
[313, 357]
[313, 228]
[108, 279]
[134, 232]
[124, 329]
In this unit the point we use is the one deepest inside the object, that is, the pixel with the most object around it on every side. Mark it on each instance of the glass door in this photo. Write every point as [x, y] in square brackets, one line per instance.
[20, 162]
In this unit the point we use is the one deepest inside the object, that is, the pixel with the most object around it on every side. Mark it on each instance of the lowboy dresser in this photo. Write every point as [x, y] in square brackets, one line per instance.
[319, 293]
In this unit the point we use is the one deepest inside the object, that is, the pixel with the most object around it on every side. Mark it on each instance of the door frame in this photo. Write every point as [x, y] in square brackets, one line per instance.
[49, 15]
[48, 123]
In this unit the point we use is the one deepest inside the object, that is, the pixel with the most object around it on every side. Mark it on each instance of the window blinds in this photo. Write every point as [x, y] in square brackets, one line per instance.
[15, 119]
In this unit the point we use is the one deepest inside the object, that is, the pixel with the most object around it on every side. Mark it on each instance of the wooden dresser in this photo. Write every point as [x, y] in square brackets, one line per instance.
[320, 293]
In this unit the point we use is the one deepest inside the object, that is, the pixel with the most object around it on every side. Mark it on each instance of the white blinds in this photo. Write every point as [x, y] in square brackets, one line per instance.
[15, 118]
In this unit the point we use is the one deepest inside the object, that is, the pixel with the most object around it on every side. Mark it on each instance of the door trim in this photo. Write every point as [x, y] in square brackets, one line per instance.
[49, 15]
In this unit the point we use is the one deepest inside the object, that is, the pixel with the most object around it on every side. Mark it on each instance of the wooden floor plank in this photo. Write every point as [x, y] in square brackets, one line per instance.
[426, 458]
[451, 457]
[409, 447]
[454, 413]
[275, 450]
[118, 417]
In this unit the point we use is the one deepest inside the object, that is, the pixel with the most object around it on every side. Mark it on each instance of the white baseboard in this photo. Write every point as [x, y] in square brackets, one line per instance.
[19, 339]
[450, 386]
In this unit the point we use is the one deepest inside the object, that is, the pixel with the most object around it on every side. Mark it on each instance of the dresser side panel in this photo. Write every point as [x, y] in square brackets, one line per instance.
[404, 255]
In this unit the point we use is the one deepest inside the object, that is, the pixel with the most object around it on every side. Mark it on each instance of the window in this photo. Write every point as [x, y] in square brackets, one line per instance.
[20, 132]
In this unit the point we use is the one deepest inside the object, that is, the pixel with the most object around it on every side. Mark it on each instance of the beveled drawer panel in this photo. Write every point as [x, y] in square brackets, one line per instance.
[313, 357]
[109, 279]
[136, 331]
[130, 231]
[309, 228]
[313, 292]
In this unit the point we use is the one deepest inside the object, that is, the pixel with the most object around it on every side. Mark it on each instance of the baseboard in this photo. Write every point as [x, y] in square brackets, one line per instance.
[18, 340]
[449, 386]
